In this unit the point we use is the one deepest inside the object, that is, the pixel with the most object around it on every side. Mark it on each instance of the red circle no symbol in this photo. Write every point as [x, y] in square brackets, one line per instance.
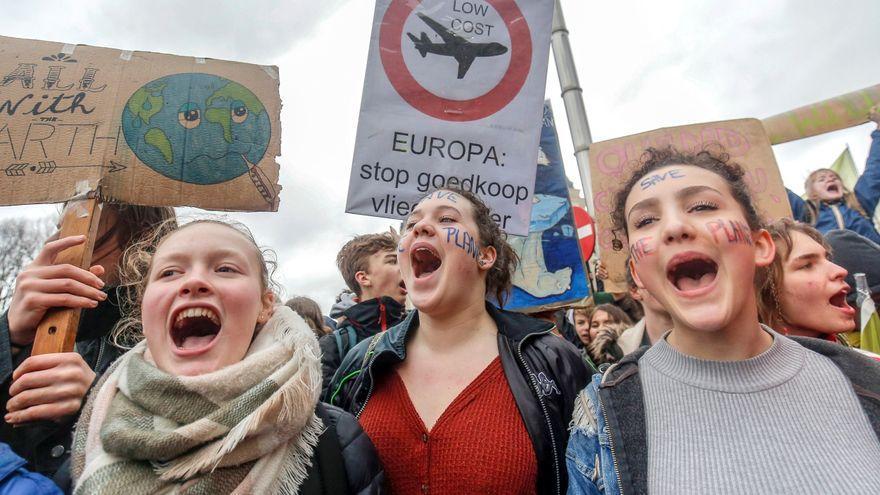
[391, 33]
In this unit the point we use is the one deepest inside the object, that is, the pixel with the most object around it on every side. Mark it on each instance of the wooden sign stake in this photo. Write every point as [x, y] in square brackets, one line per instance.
[57, 331]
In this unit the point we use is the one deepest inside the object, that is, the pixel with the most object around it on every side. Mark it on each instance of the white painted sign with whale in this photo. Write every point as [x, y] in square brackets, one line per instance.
[453, 96]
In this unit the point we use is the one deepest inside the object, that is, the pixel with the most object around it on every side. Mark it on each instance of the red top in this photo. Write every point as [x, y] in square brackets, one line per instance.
[478, 445]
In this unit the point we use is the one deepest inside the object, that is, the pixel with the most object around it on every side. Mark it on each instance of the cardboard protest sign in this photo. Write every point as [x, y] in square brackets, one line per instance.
[551, 271]
[611, 163]
[452, 97]
[829, 115]
[148, 128]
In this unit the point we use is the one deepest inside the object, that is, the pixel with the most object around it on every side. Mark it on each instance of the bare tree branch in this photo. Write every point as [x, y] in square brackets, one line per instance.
[20, 241]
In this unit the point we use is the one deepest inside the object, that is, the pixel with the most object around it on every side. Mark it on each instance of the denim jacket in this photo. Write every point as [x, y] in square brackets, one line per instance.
[607, 447]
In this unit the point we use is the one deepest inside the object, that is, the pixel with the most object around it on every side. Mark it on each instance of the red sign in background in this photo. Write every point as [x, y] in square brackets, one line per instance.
[586, 231]
[390, 50]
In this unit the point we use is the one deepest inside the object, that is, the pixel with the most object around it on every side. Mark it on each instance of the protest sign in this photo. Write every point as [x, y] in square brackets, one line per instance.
[452, 97]
[551, 270]
[611, 163]
[148, 128]
[829, 115]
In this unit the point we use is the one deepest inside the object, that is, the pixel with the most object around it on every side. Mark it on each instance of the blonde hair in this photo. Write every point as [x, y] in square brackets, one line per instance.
[813, 203]
[135, 267]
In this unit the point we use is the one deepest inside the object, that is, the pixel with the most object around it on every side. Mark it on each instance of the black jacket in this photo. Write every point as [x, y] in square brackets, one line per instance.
[623, 404]
[46, 445]
[345, 460]
[362, 321]
[544, 373]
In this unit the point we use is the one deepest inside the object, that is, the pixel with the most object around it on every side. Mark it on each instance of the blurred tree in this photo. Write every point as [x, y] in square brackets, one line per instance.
[20, 241]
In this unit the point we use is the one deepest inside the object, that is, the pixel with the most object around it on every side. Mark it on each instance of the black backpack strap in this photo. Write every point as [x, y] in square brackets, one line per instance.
[350, 337]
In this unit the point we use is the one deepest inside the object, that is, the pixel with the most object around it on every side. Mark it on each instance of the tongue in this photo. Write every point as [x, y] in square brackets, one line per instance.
[688, 283]
[196, 341]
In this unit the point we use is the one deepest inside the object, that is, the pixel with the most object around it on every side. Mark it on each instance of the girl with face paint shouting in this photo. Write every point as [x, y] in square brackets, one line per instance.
[457, 361]
[719, 403]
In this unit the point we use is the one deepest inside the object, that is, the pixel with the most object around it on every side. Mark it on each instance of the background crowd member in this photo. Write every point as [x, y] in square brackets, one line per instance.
[830, 205]
[42, 395]
[581, 318]
[457, 361]
[802, 292]
[344, 300]
[651, 327]
[607, 323]
[311, 313]
[622, 300]
[368, 264]
[720, 403]
[221, 396]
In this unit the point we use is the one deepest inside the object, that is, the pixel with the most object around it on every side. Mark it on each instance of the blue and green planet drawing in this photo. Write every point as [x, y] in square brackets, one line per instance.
[196, 128]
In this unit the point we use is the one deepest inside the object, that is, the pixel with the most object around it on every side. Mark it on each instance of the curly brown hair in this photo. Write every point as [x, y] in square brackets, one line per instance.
[712, 158]
[499, 280]
[770, 279]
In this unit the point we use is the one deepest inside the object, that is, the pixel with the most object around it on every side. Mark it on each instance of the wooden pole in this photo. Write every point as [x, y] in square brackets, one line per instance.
[57, 331]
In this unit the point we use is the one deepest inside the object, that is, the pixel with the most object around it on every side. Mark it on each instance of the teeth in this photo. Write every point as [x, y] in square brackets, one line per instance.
[198, 312]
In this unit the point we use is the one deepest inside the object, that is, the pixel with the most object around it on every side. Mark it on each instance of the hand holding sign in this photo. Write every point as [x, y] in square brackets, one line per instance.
[43, 284]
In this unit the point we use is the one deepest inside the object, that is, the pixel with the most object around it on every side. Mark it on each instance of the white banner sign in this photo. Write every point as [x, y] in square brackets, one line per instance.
[453, 96]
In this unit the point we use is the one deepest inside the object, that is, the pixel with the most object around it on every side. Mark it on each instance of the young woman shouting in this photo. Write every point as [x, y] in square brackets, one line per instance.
[721, 402]
[462, 397]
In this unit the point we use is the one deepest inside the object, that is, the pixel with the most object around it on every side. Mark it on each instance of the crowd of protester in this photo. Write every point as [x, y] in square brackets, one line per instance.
[727, 367]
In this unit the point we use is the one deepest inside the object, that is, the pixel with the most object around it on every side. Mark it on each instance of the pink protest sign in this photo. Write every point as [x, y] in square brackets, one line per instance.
[612, 162]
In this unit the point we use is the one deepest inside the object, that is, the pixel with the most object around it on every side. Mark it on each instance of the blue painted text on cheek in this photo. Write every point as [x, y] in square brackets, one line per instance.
[462, 240]
[734, 231]
[641, 248]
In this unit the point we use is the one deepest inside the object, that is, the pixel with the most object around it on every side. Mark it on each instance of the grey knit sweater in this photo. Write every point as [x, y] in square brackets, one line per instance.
[785, 421]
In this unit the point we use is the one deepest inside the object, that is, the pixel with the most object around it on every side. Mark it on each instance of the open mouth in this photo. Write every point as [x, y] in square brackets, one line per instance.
[833, 188]
[838, 300]
[402, 286]
[691, 271]
[195, 328]
[425, 261]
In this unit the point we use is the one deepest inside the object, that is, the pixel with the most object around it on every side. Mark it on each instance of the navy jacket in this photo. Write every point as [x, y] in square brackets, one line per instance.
[867, 191]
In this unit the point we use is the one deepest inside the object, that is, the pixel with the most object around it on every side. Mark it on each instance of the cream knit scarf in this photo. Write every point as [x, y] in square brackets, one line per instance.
[247, 428]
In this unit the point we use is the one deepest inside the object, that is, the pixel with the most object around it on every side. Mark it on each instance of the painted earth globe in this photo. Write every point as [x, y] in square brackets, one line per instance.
[196, 128]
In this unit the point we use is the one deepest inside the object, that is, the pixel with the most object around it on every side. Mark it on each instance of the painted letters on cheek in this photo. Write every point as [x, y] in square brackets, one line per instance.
[462, 240]
[656, 178]
[735, 232]
[641, 248]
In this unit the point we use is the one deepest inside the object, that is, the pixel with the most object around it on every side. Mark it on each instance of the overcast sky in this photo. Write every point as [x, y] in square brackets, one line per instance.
[642, 65]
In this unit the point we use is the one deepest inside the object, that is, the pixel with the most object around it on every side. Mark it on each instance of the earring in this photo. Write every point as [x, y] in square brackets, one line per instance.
[481, 263]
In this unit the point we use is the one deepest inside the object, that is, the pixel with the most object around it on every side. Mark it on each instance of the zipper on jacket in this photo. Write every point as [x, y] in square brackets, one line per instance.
[370, 391]
[611, 441]
[541, 402]
[100, 354]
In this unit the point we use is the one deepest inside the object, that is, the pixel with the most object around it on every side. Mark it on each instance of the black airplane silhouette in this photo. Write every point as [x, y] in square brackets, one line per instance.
[455, 46]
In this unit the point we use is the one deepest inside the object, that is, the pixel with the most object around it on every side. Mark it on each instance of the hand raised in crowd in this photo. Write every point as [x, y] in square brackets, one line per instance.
[874, 115]
[48, 387]
[44, 284]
